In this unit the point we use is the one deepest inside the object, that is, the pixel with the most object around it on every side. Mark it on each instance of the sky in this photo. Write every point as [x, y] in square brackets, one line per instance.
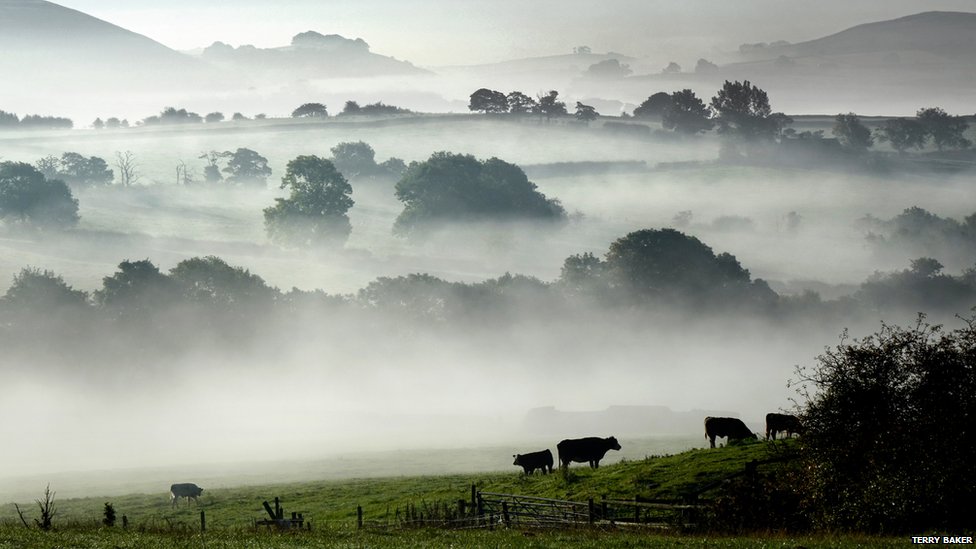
[439, 32]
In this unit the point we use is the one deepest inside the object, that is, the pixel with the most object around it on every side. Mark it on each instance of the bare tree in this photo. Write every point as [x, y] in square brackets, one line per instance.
[128, 172]
[183, 175]
[47, 509]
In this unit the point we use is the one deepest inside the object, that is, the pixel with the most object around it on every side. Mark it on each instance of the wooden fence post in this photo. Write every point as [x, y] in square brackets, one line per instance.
[359, 517]
[203, 521]
[603, 507]
[590, 510]
[474, 501]
[461, 508]
[636, 510]
[505, 513]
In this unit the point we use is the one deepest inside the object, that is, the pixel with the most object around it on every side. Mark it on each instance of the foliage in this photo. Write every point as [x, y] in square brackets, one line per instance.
[586, 113]
[35, 121]
[27, 197]
[108, 515]
[315, 211]
[743, 110]
[654, 106]
[887, 419]
[43, 292]
[851, 133]
[460, 188]
[672, 68]
[354, 158]
[488, 101]
[211, 282]
[686, 113]
[519, 103]
[549, 105]
[923, 286]
[171, 115]
[310, 110]
[76, 170]
[902, 134]
[247, 167]
[608, 68]
[214, 117]
[211, 172]
[946, 131]
[136, 291]
[704, 65]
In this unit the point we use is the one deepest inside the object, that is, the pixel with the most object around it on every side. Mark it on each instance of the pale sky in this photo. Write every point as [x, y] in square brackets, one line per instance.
[439, 32]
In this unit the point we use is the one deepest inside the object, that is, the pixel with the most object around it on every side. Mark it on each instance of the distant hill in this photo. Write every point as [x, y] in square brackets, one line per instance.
[43, 43]
[310, 55]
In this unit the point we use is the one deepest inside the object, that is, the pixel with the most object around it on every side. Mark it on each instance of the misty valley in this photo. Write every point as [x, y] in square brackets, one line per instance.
[388, 271]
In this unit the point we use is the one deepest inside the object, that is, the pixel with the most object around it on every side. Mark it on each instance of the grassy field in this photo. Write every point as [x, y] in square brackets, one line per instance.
[331, 508]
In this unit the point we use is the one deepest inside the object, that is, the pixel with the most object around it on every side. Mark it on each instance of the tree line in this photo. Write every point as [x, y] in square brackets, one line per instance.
[10, 121]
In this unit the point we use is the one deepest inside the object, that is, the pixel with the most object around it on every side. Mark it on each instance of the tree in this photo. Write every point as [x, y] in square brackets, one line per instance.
[455, 187]
[211, 282]
[354, 159]
[78, 171]
[27, 197]
[586, 113]
[183, 175]
[98, 124]
[946, 131]
[686, 113]
[886, 420]
[519, 103]
[743, 110]
[8, 119]
[654, 106]
[310, 110]
[704, 65]
[608, 68]
[113, 123]
[135, 291]
[488, 101]
[237, 117]
[211, 172]
[549, 105]
[672, 68]
[315, 211]
[902, 134]
[851, 133]
[247, 167]
[171, 115]
[128, 169]
[41, 293]
[108, 518]
[214, 117]
[351, 107]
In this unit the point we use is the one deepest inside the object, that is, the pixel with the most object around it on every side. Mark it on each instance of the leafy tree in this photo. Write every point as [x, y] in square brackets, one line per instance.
[946, 131]
[704, 65]
[686, 113]
[902, 134]
[354, 159]
[459, 187]
[247, 167]
[113, 123]
[488, 101]
[135, 291]
[8, 119]
[78, 171]
[654, 106]
[851, 133]
[310, 110]
[98, 124]
[171, 115]
[210, 281]
[519, 103]
[211, 172]
[608, 68]
[26, 196]
[743, 110]
[549, 105]
[108, 513]
[393, 166]
[672, 68]
[586, 113]
[922, 287]
[887, 420]
[38, 292]
[381, 109]
[214, 117]
[351, 107]
[315, 211]
[34, 121]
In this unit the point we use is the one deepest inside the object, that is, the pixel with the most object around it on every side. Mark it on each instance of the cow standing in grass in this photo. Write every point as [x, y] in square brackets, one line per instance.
[186, 490]
[534, 460]
[786, 423]
[585, 450]
[730, 427]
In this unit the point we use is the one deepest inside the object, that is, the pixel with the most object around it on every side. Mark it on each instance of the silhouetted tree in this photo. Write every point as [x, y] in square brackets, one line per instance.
[686, 113]
[211, 172]
[245, 166]
[743, 110]
[946, 131]
[704, 65]
[135, 291]
[885, 420]
[314, 214]
[27, 197]
[42, 293]
[113, 123]
[128, 169]
[238, 117]
[78, 171]
[549, 105]
[354, 159]
[214, 117]
[672, 68]
[488, 101]
[608, 68]
[654, 106]
[902, 134]
[171, 115]
[351, 107]
[459, 187]
[310, 110]
[98, 124]
[519, 103]
[851, 133]
[586, 113]
[393, 166]
[9, 120]
[108, 515]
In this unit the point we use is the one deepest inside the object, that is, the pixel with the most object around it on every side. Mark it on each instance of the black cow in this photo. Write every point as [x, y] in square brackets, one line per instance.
[535, 460]
[186, 490]
[731, 427]
[786, 423]
[585, 450]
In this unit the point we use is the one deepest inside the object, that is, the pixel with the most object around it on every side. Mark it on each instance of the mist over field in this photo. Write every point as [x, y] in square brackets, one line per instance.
[227, 344]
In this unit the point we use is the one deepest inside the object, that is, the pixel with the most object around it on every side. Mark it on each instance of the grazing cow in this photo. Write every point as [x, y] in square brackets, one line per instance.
[585, 450]
[786, 423]
[186, 490]
[534, 460]
[731, 427]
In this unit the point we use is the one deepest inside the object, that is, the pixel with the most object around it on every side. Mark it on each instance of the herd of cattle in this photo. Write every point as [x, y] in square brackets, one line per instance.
[592, 449]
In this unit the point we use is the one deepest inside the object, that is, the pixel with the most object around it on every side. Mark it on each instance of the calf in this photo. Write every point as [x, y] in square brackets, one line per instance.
[534, 460]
